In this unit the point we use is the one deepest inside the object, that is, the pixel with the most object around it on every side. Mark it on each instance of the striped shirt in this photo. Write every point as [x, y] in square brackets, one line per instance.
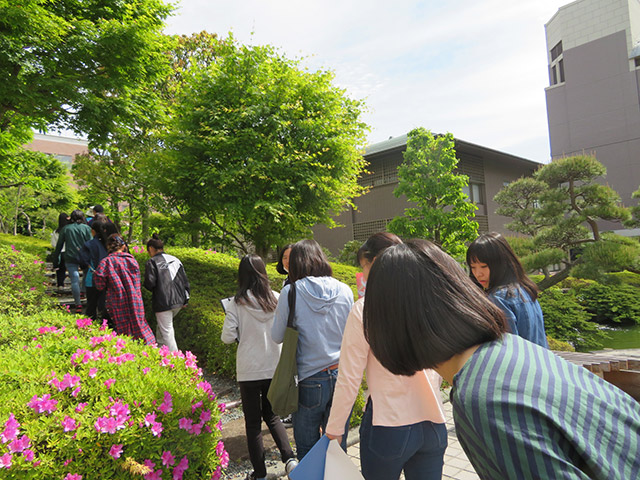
[522, 412]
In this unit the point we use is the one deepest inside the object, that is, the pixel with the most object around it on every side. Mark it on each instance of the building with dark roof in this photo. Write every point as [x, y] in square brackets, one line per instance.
[488, 170]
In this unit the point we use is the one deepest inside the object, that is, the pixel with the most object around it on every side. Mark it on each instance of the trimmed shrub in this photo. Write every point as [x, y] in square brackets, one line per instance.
[559, 345]
[567, 320]
[611, 303]
[22, 287]
[349, 254]
[78, 400]
[32, 245]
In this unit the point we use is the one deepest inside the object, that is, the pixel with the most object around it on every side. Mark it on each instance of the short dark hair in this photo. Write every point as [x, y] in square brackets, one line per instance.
[375, 244]
[155, 242]
[252, 275]
[308, 260]
[421, 309]
[63, 221]
[98, 209]
[78, 217]
[280, 267]
[108, 229]
[504, 267]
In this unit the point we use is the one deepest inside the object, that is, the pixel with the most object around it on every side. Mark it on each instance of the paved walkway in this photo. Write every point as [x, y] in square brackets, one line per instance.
[456, 464]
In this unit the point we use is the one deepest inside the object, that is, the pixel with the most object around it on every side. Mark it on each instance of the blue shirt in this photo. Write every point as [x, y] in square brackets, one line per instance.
[523, 314]
[523, 412]
[321, 310]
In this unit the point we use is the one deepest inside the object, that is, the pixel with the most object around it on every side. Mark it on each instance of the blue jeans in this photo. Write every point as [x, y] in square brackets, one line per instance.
[74, 276]
[417, 449]
[315, 394]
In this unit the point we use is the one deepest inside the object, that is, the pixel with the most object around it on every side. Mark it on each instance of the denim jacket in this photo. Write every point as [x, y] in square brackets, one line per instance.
[524, 315]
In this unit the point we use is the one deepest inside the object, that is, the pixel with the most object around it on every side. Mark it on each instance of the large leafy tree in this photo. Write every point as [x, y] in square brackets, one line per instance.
[427, 177]
[261, 148]
[561, 207]
[77, 64]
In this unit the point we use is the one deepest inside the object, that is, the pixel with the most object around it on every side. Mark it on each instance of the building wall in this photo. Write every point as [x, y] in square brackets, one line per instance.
[63, 148]
[596, 110]
[379, 205]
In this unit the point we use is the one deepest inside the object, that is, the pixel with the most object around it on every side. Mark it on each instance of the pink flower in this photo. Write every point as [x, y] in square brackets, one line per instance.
[110, 382]
[167, 405]
[5, 460]
[219, 425]
[28, 455]
[83, 322]
[168, 459]
[185, 423]
[157, 475]
[81, 407]
[145, 370]
[116, 451]
[150, 419]
[75, 392]
[69, 424]
[196, 429]
[74, 476]
[205, 386]
[217, 474]
[196, 406]
[156, 429]
[11, 429]
[181, 468]
[224, 459]
[205, 415]
[219, 448]
[18, 445]
[43, 405]
[93, 372]
[222, 407]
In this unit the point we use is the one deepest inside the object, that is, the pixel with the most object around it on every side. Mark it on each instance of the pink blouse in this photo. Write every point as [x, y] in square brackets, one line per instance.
[397, 400]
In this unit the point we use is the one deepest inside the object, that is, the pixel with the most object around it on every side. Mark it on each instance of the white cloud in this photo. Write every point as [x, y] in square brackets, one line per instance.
[475, 68]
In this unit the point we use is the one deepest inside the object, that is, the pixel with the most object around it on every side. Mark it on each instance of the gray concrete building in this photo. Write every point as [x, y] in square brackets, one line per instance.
[488, 170]
[593, 98]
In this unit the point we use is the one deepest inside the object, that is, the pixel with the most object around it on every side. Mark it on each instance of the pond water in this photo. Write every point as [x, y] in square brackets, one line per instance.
[622, 337]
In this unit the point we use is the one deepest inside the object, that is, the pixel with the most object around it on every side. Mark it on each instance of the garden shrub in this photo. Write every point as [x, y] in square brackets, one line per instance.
[22, 286]
[626, 278]
[611, 303]
[559, 345]
[349, 253]
[567, 320]
[81, 402]
[32, 245]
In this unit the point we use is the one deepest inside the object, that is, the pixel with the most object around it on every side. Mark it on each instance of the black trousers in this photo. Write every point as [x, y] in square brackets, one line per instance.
[96, 303]
[61, 272]
[256, 407]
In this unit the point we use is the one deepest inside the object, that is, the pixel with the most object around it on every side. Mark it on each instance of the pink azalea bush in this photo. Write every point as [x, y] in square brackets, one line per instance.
[80, 402]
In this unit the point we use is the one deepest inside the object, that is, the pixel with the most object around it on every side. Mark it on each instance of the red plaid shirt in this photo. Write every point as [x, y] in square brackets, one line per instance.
[120, 275]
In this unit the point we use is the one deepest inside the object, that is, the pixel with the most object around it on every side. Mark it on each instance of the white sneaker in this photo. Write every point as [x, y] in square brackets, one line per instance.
[290, 465]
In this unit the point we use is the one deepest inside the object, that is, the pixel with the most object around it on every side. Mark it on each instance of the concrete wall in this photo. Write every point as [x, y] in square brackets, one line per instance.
[63, 148]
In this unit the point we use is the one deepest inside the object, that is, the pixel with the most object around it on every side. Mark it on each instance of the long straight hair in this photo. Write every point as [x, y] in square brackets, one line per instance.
[375, 244]
[252, 275]
[505, 269]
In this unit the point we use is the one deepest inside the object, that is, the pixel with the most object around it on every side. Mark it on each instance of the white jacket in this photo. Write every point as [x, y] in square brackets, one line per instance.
[257, 355]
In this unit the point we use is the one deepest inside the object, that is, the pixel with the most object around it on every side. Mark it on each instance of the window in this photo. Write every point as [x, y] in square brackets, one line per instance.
[475, 193]
[363, 230]
[556, 67]
[382, 173]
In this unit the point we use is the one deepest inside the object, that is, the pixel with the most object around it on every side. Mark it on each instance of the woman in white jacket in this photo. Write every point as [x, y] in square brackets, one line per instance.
[248, 320]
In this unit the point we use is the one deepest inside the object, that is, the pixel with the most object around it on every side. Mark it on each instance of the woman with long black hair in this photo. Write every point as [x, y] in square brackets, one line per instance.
[248, 321]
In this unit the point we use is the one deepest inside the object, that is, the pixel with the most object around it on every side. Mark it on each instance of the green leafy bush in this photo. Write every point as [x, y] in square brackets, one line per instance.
[559, 345]
[78, 400]
[32, 245]
[625, 277]
[349, 254]
[567, 320]
[611, 303]
[22, 289]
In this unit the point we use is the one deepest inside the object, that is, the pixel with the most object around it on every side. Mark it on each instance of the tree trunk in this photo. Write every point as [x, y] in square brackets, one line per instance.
[130, 234]
[15, 217]
[144, 221]
[555, 279]
[28, 224]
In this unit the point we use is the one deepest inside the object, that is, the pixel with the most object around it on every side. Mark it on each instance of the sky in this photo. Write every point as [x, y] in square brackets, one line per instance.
[477, 69]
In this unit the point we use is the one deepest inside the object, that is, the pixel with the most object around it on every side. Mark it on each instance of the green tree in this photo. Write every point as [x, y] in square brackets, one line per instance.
[78, 65]
[443, 213]
[635, 212]
[561, 207]
[262, 149]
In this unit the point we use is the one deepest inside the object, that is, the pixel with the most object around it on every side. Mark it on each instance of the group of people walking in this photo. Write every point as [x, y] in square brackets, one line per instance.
[112, 280]
[519, 410]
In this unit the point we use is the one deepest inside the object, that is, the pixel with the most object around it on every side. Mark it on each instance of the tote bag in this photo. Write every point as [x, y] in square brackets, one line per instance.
[283, 391]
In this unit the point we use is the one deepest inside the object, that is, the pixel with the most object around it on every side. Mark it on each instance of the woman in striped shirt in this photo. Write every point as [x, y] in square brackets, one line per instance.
[519, 410]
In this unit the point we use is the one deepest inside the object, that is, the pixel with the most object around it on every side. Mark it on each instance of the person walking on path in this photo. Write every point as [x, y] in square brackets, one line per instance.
[61, 271]
[496, 268]
[282, 267]
[72, 237]
[89, 257]
[164, 275]
[520, 411]
[403, 427]
[248, 321]
[119, 274]
[319, 305]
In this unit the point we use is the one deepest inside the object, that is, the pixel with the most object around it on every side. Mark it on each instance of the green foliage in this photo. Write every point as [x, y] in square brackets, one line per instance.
[567, 320]
[611, 303]
[522, 246]
[426, 177]
[261, 148]
[626, 278]
[559, 345]
[349, 254]
[21, 283]
[78, 65]
[634, 221]
[561, 207]
[93, 377]
[31, 245]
